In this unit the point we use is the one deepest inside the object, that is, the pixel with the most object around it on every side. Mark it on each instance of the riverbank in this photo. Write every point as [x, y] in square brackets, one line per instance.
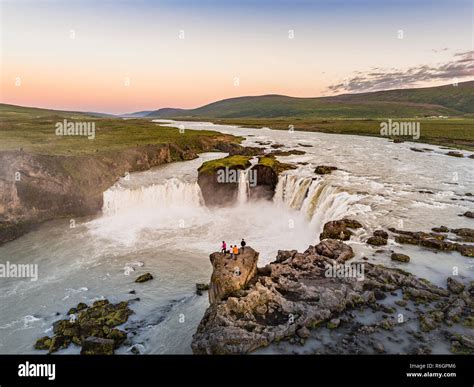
[455, 133]
[44, 176]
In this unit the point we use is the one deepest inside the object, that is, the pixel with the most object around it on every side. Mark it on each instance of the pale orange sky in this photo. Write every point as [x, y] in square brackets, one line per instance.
[79, 55]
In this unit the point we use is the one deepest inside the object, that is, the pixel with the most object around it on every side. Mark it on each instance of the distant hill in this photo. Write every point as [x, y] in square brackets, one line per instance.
[445, 100]
[15, 111]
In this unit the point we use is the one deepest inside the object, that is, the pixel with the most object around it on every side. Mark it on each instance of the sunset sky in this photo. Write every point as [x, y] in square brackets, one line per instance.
[80, 55]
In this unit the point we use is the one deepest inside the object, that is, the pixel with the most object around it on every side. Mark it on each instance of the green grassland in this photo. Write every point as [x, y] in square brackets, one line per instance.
[234, 162]
[33, 130]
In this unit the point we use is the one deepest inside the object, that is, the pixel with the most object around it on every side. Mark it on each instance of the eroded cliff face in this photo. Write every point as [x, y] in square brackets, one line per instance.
[231, 273]
[35, 188]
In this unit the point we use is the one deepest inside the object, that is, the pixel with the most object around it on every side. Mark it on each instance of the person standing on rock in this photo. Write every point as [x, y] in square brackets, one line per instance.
[231, 251]
[242, 244]
[224, 247]
[236, 251]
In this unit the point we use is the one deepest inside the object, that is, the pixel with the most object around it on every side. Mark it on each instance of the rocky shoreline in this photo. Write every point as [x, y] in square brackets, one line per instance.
[300, 295]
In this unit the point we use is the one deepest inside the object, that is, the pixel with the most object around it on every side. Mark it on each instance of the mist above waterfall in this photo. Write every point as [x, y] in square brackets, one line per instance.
[173, 212]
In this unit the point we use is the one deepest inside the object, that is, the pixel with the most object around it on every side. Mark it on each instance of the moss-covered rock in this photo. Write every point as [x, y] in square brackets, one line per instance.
[333, 324]
[454, 285]
[400, 257]
[97, 346]
[219, 179]
[324, 169]
[98, 321]
[43, 343]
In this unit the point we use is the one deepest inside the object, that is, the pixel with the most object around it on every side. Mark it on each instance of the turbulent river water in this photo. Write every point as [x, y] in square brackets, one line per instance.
[155, 221]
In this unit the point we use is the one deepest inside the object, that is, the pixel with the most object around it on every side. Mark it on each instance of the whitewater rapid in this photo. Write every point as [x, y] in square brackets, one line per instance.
[155, 221]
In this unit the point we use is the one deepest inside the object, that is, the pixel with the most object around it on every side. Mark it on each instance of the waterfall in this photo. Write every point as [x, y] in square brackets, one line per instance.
[243, 188]
[319, 201]
[292, 190]
[172, 193]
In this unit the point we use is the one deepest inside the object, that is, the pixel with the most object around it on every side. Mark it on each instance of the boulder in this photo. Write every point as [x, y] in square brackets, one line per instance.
[201, 288]
[376, 241]
[144, 278]
[400, 257]
[335, 249]
[440, 229]
[454, 154]
[339, 229]
[287, 152]
[381, 233]
[324, 169]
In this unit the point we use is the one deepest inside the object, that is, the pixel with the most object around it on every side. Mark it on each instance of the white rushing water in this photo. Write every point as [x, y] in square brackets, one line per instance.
[155, 221]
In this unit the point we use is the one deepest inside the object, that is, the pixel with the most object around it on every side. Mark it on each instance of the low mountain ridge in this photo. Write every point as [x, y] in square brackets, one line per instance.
[447, 100]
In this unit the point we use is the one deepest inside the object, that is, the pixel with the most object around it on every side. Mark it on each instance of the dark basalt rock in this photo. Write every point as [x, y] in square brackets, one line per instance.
[381, 233]
[339, 229]
[435, 241]
[454, 154]
[286, 153]
[324, 169]
[469, 214]
[97, 346]
[400, 257]
[144, 277]
[440, 229]
[376, 241]
[201, 288]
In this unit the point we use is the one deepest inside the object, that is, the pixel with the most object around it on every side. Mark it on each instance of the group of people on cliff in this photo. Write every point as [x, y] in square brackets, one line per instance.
[233, 250]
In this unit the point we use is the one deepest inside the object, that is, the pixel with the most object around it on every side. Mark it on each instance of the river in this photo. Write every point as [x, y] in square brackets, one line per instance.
[155, 221]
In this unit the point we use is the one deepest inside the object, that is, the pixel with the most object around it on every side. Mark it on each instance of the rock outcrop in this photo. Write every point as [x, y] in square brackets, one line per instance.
[437, 241]
[300, 292]
[324, 169]
[219, 179]
[339, 229]
[144, 278]
[231, 274]
[92, 327]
